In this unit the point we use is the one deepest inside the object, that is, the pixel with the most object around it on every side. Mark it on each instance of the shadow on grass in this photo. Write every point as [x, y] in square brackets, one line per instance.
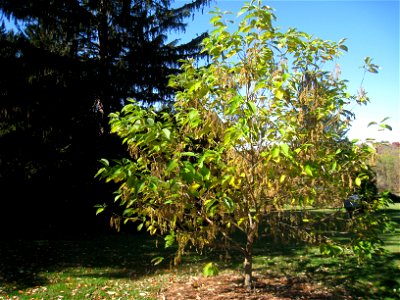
[25, 263]
[394, 214]
[378, 278]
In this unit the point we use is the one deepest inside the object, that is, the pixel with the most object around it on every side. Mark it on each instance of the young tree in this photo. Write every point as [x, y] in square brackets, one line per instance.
[253, 137]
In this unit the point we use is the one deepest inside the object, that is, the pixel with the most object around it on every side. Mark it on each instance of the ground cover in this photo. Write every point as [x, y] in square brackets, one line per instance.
[120, 267]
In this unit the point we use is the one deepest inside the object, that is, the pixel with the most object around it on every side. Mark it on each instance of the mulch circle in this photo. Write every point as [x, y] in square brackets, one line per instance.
[230, 286]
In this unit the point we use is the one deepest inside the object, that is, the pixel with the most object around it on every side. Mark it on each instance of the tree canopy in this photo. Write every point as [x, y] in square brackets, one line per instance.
[255, 137]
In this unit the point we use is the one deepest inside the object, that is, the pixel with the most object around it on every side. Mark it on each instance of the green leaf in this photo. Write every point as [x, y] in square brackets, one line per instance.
[358, 181]
[285, 149]
[308, 170]
[233, 104]
[210, 269]
[260, 85]
[105, 162]
[243, 10]
[167, 133]
[252, 107]
[215, 19]
[188, 154]
[172, 165]
[169, 239]
[157, 260]
[385, 119]
[228, 203]
[139, 186]
[275, 152]
[386, 126]
[99, 172]
[205, 173]
[193, 114]
[150, 121]
[100, 210]
[373, 70]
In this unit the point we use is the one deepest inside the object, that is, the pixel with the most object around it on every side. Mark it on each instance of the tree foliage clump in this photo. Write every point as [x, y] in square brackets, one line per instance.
[255, 137]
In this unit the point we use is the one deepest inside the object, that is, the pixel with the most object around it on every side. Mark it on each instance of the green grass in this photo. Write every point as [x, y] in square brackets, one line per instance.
[119, 267]
[104, 267]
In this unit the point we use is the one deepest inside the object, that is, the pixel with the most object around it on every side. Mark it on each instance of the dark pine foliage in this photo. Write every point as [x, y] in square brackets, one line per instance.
[65, 65]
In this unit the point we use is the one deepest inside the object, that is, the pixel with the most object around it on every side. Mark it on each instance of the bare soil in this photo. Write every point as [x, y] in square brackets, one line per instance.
[230, 286]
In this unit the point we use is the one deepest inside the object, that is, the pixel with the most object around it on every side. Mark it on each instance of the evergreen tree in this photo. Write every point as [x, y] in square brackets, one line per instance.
[66, 66]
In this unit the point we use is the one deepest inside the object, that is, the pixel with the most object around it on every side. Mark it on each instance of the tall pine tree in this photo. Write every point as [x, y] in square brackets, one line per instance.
[66, 64]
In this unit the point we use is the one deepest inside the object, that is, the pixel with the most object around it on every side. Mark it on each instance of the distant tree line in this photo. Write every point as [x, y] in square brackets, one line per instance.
[65, 65]
[387, 166]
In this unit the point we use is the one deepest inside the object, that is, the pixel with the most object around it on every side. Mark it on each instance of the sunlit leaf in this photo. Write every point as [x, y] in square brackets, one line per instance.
[285, 149]
[157, 260]
[282, 179]
[275, 152]
[210, 269]
[386, 126]
[169, 239]
[100, 210]
[167, 133]
[252, 107]
[308, 170]
[279, 94]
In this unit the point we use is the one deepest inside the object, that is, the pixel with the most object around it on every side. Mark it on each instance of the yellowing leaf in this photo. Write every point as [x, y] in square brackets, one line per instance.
[194, 187]
[282, 179]
[279, 94]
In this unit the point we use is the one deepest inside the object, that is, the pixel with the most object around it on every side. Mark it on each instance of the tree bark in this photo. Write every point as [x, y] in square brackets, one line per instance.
[248, 269]
[248, 256]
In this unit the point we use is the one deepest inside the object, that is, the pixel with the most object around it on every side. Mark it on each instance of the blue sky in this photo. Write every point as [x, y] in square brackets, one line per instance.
[371, 29]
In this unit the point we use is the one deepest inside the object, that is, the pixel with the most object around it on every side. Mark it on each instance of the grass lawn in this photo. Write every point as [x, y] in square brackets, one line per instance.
[119, 267]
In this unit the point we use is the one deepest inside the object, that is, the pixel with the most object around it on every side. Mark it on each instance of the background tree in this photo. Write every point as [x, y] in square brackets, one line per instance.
[386, 165]
[65, 66]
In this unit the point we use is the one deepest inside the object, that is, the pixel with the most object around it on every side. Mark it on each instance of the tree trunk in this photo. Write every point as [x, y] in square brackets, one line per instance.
[248, 270]
[248, 256]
